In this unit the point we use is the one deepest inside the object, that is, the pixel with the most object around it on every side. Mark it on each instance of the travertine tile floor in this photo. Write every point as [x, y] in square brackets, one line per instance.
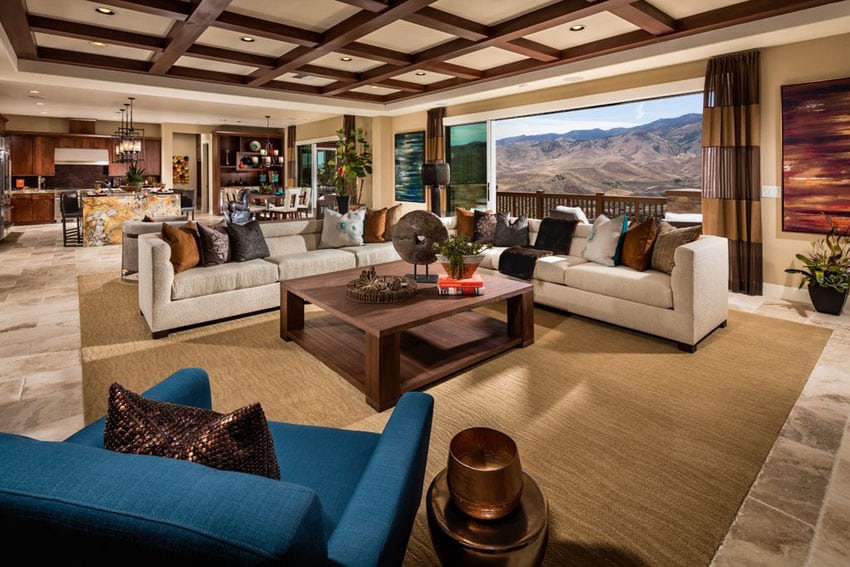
[797, 512]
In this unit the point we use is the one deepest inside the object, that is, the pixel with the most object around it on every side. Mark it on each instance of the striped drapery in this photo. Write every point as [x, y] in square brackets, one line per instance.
[291, 178]
[435, 150]
[348, 124]
[731, 178]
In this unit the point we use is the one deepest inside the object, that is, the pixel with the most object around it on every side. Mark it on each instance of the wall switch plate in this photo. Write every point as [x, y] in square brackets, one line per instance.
[770, 191]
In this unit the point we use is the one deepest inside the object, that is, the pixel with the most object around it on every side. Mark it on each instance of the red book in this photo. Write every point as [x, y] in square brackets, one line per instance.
[444, 281]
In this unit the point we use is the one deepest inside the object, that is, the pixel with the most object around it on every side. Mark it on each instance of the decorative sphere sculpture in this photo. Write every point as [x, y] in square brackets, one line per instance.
[415, 234]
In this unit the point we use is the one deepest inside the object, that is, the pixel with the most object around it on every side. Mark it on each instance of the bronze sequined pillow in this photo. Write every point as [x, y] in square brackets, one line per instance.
[237, 441]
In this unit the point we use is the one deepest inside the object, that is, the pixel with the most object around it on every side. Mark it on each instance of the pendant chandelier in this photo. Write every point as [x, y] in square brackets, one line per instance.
[129, 141]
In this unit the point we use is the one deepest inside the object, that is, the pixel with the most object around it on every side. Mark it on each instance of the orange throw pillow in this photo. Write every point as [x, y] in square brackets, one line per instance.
[637, 245]
[465, 222]
[183, 244]
[393, 214]
[375, 225]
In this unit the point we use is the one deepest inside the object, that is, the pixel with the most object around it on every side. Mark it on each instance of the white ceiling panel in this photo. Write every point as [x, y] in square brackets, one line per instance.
[316, 15]
[381, 91]
[305, 80]
[486, 58]
[682, 8]
[356, 65]
[221, 67]
[72, 44]
[490, 12]
[406, 37]
[426, 79]
[596, 27]
[81, 11]
[227, 39]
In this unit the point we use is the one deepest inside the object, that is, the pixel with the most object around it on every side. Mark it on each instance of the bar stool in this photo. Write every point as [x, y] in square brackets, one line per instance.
[72, 219]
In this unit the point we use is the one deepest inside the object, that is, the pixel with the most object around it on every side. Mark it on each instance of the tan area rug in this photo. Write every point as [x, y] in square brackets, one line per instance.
[645, 453]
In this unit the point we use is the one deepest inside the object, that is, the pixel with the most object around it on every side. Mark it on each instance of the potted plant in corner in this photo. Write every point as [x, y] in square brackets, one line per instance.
[827, 270]
[459, 257]
[353, 161]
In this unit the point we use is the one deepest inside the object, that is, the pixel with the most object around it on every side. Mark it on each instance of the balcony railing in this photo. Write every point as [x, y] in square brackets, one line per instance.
[540, 204]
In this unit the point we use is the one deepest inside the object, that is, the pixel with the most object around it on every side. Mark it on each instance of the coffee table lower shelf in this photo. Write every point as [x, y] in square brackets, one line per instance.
[426, 353]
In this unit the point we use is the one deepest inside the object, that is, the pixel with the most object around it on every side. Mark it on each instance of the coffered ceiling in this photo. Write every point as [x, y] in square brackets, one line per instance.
[379, 53]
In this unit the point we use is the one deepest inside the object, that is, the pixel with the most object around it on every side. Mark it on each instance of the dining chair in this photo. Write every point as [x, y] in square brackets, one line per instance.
[289, 209]
[72, 219]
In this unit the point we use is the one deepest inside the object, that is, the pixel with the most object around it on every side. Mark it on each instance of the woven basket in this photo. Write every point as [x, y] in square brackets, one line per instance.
[355, 291]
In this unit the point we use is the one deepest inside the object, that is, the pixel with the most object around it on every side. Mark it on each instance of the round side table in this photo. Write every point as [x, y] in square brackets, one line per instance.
[518, 539]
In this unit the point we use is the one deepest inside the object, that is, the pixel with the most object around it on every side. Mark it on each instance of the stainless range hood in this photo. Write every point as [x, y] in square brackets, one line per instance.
[80, 156]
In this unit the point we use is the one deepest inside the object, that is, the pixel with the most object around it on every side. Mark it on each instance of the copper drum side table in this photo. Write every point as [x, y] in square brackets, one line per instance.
[517, 540]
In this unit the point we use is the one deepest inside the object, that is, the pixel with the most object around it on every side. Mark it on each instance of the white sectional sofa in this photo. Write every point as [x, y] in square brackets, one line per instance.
[170, 301]
[684, 306]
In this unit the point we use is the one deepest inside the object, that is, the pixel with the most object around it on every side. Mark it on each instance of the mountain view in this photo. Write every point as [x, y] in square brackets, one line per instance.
[644, 160]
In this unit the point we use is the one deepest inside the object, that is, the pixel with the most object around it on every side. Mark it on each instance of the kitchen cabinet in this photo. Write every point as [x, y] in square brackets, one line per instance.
[83, 142]
[151, 164]
[31, 155]
[32, 208]
[43, 150]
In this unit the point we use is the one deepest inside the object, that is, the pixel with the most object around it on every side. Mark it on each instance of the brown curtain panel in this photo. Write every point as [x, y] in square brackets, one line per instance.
[731, 180]
[291, 178]
[435, 148]
[348, 124]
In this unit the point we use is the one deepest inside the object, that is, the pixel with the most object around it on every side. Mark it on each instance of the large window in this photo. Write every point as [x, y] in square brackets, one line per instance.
[639, 148]
[313, 170]
[466, 149]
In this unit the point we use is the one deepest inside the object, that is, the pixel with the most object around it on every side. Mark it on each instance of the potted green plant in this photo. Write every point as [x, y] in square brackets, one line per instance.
[459, 256]
[827, 270]
[135, 176]
[353, 162]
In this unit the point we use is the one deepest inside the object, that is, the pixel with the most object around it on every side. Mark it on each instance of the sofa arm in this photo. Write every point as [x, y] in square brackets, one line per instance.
[388, 496]
[188, 387]
[700, 282]
[156, 275]
[95, 506]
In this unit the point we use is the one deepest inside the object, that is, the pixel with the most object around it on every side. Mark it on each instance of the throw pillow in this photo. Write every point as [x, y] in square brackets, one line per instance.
[555, 235]
[484, 227]
[183, 244]
[215, 243]
[511, 233]
[465, 222]
[148, 218]
[247, 241]
[637, 244]
[668, 239]
[574, 212]
[393, 214]
[375, 225]
[342, 230]
[604, 240]
[238, 441]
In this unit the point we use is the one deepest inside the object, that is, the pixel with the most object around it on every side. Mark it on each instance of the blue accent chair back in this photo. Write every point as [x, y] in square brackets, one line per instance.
[345, 498]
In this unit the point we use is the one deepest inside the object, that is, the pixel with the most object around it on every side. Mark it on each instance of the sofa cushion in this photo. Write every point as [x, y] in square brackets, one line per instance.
[603, 243]
[237, 441]
[510, 233]
[484, 227]
[571, 213]
[215, 243]
[554, 268]
[465, 222]
[668, 239]
[555, 235]
[491, 257]
[342, 230]
[183, 242]
[393, 214]
[637, 244]
[375, 225]
[247, 241]
[200, 282]
[371, 254]
[291, 266]
[650, 287]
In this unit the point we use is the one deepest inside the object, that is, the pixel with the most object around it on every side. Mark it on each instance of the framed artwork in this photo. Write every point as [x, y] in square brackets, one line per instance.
[180, 169]
[409, 155]
[816, 156]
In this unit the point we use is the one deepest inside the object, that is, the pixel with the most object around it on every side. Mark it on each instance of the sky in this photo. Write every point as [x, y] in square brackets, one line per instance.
[623, 115]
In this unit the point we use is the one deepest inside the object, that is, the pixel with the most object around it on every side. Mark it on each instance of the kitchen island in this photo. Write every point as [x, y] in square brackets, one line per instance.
[104, 214]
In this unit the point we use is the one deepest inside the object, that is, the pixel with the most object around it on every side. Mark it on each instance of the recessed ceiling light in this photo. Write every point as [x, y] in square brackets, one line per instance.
[247, 39]
[420, 73]
[577, 27]
[345, 58]
[104, 11]
[35, 92]
[39, 104]
[97, 43]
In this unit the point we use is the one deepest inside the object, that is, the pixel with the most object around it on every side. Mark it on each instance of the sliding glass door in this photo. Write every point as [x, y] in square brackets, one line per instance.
[313, 169]
[466, 153]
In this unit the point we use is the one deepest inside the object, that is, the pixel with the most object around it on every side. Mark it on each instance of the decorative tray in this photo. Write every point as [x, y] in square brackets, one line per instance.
[372, 288]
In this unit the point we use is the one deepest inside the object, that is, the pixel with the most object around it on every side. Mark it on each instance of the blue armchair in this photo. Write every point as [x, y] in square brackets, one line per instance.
[345, 498]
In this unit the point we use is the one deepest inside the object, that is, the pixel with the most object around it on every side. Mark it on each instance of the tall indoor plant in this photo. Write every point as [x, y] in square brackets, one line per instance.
[353, 162]
[827, 270]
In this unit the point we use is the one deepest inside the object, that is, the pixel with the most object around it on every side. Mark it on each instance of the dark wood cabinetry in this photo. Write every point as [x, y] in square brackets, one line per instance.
[152, 163]
[32, 155]
[32, 208]
[234, 155]
[43, 154]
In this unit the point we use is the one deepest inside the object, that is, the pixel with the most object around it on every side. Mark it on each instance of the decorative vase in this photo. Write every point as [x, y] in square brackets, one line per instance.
[827, 299]
[342, 203]
[470, 265]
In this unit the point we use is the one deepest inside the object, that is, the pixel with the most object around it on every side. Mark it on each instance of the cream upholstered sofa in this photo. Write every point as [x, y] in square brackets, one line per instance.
[170, 301]
[684, 306]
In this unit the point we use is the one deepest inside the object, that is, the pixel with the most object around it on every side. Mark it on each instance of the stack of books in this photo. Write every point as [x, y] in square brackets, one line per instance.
[466, 286]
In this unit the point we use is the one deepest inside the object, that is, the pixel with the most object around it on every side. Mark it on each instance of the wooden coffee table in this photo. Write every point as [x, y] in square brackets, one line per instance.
[388, 349]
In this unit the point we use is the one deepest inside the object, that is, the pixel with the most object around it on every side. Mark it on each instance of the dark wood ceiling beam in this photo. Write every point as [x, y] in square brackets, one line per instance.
[166, 8]
[13, 16]
[376, 53]
[347, 31]
[231, 56]
[183, 34]
[66, 28]
[292, 87]
[532, 49]
[449, 23]
[92, 60]
[402, 86]
[206, 75]
[646, 16]
[270, 30]
[327, 73]
[369, 5]
[455, 70]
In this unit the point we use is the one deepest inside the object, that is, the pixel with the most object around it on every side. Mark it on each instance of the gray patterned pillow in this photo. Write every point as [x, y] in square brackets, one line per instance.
[215, 243]
[484, 227]
[342, 230]
[511, 233]
[247, 241]
[669, 238]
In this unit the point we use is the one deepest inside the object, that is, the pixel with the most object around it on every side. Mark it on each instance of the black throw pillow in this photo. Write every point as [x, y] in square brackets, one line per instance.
[247, 241]
[511, 233]
[555, 235]
[215, 244]
[484, 227]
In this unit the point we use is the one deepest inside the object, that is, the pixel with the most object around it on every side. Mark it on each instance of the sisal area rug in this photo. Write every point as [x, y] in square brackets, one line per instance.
[644, 453]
